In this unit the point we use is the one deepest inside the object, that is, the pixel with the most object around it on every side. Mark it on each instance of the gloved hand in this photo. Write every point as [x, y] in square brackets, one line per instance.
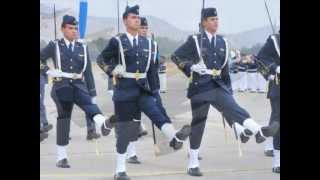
[199, 68]
[271, 77]
[278, 69]
[118, 71]
[94, 100]
[54, 73]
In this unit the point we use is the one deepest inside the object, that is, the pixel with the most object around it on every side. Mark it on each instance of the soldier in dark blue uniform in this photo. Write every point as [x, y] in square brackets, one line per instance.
[270, 56]
[163, 74]
[43, 114]
[73, 84]
[134, 91]
[206, 65]
[132, 157]
[252, 75]
[242, 70]
[234, 69]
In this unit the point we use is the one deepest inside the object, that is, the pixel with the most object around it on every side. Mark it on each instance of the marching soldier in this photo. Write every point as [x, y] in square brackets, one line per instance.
[252, 75]
[206, 66]
[163, 75]
[73, 84]
[234, 75]
[270, 56]
[143, 31]
[131, 150]
[261, 83]
[43, 114]
[133, 75]
[242, 70]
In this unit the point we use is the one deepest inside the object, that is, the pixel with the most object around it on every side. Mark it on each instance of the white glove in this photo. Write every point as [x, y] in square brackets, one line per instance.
[118, 71]
[271, 77]
[54, 73]
[278, 70]
[199, 68]
[94, 100]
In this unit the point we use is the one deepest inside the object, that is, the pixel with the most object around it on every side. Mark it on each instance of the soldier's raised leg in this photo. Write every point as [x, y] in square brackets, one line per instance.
[148, 105]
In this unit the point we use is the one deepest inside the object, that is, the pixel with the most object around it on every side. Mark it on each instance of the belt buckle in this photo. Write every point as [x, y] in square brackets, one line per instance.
[137, 75]
[215, 72]
[57, 79]
[74, 76]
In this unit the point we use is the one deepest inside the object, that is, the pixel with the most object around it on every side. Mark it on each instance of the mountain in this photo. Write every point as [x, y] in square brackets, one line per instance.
[249, 38]
[105, 27]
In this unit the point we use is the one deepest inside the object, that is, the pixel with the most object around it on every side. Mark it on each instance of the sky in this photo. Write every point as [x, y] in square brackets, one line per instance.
[234, 15]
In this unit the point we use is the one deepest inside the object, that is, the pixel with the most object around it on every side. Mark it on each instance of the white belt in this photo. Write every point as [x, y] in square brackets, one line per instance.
[71, 75]
[135, 75]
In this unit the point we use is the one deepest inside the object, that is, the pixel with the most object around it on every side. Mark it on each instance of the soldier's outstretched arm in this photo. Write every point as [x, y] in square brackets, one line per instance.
[88, 76]
[108, 58]
[46, 53]
[183, 57]
[267, 55]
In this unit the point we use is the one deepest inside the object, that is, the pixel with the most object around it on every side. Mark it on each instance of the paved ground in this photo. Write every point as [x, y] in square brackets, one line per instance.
[221, 158]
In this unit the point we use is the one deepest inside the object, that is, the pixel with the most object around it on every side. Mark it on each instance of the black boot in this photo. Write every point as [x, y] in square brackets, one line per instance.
[63, 164]
[181, 135]
[176, 145]
[47, 127]
[133, 160]
[194, 171]
[276, 169]
[107, 126]
[184, 132]
[268, 153]
[267, 131]
[142, 132]
[121, 176]
[92, 134]
[43, 136]
[245, 135]
[270, 130]
[259, 138]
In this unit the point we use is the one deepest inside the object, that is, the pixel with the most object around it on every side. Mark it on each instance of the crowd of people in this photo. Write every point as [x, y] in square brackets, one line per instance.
[244, 73]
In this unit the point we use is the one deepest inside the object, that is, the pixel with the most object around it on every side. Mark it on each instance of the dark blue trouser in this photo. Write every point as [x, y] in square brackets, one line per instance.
[64, 108]
[43, 114]
[223, 101]
[275, 116]
[127, 129]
